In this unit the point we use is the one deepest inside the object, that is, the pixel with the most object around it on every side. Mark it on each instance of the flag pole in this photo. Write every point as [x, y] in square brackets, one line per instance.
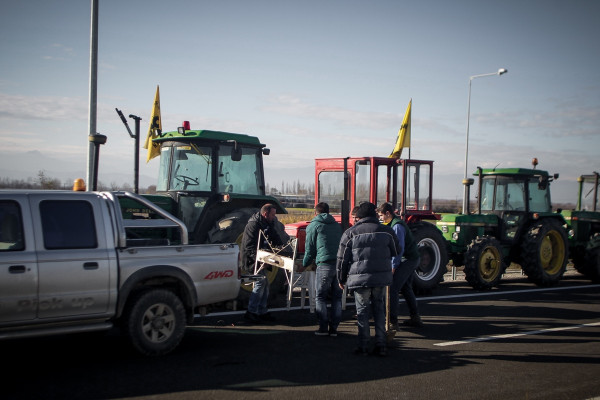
[409, 149]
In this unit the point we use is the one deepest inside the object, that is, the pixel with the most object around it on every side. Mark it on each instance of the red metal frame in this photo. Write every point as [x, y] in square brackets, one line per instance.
[412, 214]
[418, 212]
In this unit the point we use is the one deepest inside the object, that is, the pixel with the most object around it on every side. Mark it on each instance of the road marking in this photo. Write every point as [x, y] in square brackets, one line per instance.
[503, 292]
[512, 335]
[453, 296]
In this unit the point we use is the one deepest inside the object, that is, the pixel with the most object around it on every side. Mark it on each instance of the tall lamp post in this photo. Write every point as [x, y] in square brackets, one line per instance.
[466, 181]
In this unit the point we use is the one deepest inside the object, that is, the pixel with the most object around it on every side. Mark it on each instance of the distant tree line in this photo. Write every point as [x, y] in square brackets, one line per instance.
[42, 181]
[295, 187]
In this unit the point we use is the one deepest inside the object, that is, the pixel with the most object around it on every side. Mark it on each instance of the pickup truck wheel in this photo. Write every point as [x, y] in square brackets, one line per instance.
[155, 322]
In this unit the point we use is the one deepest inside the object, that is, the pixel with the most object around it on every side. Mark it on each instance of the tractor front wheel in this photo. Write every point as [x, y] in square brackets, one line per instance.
[544, 252]
[484, 263]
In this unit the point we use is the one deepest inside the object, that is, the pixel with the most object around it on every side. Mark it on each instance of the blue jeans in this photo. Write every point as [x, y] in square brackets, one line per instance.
[257, 303]
[327, 284]
[402, 282]
[373, 299]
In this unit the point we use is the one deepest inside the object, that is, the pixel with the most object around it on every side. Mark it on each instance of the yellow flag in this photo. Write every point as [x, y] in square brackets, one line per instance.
[403, 134]
[154, 130]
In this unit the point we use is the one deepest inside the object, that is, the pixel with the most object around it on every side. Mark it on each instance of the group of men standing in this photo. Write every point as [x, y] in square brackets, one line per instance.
[365, 259]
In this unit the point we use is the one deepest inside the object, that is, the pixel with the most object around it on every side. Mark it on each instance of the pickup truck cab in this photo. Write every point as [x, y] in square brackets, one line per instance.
[70, 262]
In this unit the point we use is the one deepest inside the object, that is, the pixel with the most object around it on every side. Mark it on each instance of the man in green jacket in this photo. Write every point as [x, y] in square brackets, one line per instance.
[322, 240]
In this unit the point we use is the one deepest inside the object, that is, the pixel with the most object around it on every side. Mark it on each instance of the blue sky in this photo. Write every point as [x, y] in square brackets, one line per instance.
[310, 78]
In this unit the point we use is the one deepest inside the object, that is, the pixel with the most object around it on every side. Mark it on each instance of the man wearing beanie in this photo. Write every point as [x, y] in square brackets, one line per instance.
[363, 265]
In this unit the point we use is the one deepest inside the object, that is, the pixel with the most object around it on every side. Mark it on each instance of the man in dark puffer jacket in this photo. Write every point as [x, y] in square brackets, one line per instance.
[363, 265]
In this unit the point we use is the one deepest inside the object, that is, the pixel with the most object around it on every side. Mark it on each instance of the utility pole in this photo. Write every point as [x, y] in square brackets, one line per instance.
[92, 162]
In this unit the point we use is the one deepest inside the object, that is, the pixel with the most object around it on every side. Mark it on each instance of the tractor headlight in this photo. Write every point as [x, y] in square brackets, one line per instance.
[456, 233]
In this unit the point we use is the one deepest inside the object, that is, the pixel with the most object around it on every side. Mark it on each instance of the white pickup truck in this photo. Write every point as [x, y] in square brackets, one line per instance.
[70, 262]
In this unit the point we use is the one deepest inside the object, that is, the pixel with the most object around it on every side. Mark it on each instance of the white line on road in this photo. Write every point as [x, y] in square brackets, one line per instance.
[512, 335]
[503, 292]
[454, 296]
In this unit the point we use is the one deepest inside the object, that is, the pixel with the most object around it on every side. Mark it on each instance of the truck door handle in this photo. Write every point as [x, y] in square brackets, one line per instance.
[17, 269]
[90, 265]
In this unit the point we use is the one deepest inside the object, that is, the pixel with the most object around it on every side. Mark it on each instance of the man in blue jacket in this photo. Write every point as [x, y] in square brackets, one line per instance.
[403, 267]
[323, 236]
[363, 265]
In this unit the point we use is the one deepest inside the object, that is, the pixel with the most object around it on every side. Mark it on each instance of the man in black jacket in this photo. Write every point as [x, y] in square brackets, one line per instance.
[363, 265]
[264, 220]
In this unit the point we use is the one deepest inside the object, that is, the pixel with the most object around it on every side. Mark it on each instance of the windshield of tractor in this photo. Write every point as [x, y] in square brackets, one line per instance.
[384, 185]
[331, 189]
[243, 176]
[510, 194]
[190, 169]
[417, 187]
[362, 182]
[539, 198]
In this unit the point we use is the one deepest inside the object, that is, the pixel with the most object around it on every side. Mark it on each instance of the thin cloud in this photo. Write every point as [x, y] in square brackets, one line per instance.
[569, 121]
[293, 106]
[49, 108]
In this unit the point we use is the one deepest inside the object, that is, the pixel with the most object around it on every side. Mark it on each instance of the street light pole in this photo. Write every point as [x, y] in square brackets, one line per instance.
[466, 181]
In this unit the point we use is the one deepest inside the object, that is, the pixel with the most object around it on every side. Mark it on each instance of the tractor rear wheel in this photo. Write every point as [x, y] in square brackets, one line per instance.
[544, 252]
[578, 255]
[484, 263]
[587, 259]
[434, 257]
[592, 262]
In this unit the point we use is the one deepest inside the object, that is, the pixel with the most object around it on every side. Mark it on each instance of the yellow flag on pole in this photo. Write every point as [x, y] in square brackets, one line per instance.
[403, 134]
[154, 130]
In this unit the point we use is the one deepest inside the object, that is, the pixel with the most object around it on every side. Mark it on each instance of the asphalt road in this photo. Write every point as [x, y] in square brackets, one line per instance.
[515, 342]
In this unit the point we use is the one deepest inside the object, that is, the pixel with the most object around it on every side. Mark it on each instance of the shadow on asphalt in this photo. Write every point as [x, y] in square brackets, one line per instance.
[223, 353]
[214, 355]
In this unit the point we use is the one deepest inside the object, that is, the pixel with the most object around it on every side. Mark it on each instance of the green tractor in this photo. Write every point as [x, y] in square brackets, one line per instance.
[583, 226]
[514, 223]
[213, 181]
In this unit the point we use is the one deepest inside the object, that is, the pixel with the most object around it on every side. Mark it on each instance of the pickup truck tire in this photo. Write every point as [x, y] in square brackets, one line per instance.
[155, 322]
